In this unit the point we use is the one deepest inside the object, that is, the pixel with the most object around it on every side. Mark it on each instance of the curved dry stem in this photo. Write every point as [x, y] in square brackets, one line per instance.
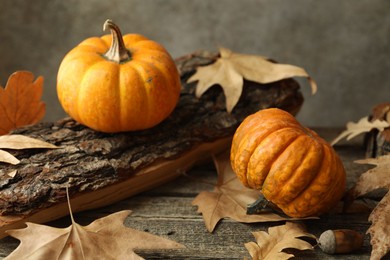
[117, 52]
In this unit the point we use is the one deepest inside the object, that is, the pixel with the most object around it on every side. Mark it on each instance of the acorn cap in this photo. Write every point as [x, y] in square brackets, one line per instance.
[327, 242]
[340, 241]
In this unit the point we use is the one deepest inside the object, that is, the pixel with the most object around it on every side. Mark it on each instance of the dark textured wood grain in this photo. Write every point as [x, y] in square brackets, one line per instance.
[88, 160]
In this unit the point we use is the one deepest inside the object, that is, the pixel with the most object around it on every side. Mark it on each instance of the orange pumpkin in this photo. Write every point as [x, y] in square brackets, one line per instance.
[293, 167]
[115, 83]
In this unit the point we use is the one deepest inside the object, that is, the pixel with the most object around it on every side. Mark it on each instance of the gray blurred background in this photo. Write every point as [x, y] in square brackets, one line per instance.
[343, 44]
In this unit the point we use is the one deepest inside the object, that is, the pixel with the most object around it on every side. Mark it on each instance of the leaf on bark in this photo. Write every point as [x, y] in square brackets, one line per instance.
[18, 142]
[271, 245]
[229, 199]
[362, 126]
[230, 70]
[20, 101]
[6, 157]
[373, 179]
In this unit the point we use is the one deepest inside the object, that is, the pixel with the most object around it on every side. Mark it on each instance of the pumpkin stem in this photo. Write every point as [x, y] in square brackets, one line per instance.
[262, 205]
[117, 52]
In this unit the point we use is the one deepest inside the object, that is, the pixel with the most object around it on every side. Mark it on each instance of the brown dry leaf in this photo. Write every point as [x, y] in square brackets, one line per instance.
[105, 238]
[373, 179]
[230, 70]
[229, 198]
[18, 142]
[20, 101]
[362, 126]
[271, 245]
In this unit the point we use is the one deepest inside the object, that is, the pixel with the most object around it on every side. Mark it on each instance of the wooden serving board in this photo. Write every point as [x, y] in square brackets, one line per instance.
[100, 169]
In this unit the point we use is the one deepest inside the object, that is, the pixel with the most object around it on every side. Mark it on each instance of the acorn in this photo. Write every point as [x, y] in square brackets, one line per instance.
[340, 241]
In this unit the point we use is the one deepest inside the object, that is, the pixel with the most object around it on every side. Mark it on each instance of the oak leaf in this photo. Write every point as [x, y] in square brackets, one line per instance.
[17, 142]
[271, 245]
[362, 126]
[374, 179]
[20, 101]
[230, 70]
[105, 238]
[229, 199]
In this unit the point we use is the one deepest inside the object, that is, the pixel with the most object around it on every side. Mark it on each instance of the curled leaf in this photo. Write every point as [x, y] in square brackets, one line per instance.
[362, 126]
[6, 157]
[271, 245]
[373, 179]
[17, 142]
[12, 173]
[230, 70]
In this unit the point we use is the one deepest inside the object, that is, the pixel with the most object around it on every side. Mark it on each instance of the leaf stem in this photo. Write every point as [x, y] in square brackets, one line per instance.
[70, 208]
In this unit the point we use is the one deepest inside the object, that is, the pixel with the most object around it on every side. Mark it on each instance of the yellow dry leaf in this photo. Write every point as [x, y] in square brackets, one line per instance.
[230, 70]
[362, 126]
[6, 157]
[373, 179]
[12, 173]
[229, 199]
[271, 245]
[20, 101]
[17, 142]
[105, 238]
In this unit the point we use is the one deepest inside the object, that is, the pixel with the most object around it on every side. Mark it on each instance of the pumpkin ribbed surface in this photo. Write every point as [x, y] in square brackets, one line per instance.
[293, 167]
[110, 96]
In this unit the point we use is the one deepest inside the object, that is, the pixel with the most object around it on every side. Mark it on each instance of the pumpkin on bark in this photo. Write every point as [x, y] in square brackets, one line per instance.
[116, 84]
[293, 167]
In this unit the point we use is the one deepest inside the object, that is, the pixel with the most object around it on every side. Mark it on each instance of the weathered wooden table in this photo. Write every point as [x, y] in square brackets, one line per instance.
[167, 211]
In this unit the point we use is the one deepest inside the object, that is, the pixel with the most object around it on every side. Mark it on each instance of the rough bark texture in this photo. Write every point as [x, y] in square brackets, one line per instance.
[90, 160]
[378, 143]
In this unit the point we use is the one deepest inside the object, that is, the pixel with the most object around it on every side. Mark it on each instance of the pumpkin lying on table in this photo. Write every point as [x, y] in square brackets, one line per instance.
[132, 85]
[293, 167]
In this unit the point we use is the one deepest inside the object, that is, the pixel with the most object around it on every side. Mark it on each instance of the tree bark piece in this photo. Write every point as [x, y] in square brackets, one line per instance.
[378, 143]
[100, 168]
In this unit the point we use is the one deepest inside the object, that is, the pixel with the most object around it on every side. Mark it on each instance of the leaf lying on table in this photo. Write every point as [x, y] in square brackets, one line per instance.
[18, 142]
[105, 238]
[20, 101]
[229, 198]
[373, 179]
[362, 126]
[230, 70]
[271, 245]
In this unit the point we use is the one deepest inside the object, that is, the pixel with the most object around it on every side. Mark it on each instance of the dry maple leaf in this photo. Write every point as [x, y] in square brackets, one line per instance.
[20, 102]
[373, 179]
[229, 198]
[17, 142]
[230, 70]
[105, 238]
[270, 245]
[362, 126]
